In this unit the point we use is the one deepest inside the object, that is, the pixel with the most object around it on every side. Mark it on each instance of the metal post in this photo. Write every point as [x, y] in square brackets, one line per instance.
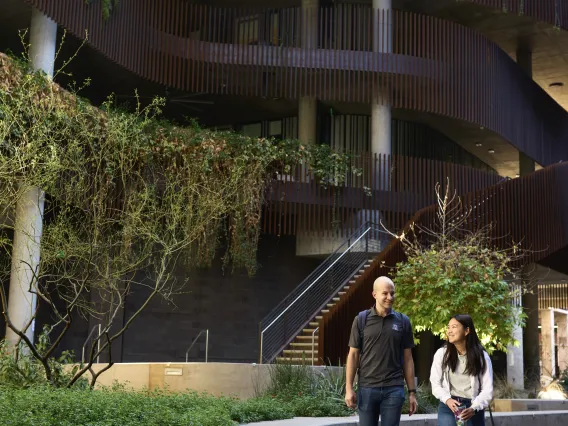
[261, 342]
[314, 343]
[206, 345]
[99, 346]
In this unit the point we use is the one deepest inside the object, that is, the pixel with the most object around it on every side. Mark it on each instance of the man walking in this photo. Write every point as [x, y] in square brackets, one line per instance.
[380, 347]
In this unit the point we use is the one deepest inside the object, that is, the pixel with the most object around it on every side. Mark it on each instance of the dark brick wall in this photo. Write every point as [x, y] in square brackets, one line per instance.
[230, 306]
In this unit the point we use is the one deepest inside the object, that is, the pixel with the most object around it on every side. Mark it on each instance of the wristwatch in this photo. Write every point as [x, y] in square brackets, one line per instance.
[411, 391]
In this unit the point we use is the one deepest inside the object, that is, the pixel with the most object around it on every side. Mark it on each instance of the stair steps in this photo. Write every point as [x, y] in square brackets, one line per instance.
[300, 350]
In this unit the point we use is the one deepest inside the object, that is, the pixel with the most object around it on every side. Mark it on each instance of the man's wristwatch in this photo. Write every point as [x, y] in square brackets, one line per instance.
[411, 391]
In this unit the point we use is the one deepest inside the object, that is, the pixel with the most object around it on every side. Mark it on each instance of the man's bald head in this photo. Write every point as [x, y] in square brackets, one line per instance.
[382, 281]
[383, 292]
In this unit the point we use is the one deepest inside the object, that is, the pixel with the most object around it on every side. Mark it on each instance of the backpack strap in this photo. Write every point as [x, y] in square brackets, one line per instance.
[361, 322]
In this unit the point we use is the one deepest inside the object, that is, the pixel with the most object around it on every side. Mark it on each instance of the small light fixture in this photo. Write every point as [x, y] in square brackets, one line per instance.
[478, 144]
[556, 84]
[491, 151]
[517, 175]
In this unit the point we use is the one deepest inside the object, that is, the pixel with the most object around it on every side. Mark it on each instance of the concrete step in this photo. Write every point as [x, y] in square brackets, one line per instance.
[307, 345]
[324, 311]
[341, 293]
[319, 317]
[298, 352]
[304, 338]
[294, 360]
[330, 305]
[314, 324]
[308, 331]
[336, 299]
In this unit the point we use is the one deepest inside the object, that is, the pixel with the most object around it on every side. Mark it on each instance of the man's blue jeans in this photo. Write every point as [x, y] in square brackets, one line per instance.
[385, 402]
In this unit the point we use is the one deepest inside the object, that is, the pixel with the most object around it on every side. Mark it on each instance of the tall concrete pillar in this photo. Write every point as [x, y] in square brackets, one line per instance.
[531, 352]
[28, 225]
[307, 106]
[515, 359]
[307, 120]
[309, 36]
[547, 342]
[524, 60]
[562, 340]
[381, 111]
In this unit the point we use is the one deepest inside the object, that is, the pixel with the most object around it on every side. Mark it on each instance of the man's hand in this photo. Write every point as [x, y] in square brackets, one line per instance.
[412, 404]
[467, 414]
[453, 405]
[351, 399]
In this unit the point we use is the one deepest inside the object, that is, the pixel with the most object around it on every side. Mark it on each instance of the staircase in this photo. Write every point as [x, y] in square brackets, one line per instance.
[304, 348]
[289, 332]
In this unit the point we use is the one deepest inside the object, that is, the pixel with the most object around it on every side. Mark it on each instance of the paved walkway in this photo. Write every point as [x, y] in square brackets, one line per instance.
[518, 418]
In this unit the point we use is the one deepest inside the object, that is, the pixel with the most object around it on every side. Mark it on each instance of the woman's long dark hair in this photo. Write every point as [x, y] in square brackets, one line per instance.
[476, 364]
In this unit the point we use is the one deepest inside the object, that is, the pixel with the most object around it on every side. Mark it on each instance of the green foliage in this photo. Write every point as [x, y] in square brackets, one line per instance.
[320, 392]
[63, 407]
[107, 6]
[129, 197]
[427, 403]
[502, 389]
[308, 392]
[563, 380]
[22, 370]
[450, 270]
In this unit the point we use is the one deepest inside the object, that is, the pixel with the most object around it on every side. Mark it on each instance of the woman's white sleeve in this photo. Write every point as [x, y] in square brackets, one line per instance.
[483, 399]
[436, 376]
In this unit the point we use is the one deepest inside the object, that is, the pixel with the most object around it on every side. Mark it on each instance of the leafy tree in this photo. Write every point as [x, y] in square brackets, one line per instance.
[128, 197]
[452, 269]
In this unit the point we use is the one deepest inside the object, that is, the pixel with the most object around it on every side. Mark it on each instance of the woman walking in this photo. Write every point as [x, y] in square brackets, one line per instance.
[462, 376]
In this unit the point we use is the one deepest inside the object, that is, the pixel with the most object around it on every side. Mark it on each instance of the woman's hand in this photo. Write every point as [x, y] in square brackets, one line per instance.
[467, 414]
[453, 404]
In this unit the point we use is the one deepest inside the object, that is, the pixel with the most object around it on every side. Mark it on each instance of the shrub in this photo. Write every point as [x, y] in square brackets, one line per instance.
[46, 406]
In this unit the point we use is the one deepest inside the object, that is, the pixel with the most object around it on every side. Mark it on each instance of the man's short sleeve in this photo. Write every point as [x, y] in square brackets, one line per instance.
[408, 337]
[355, 338]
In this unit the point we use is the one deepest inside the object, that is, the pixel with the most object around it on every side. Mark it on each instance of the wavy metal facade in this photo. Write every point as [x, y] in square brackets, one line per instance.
[413, 62]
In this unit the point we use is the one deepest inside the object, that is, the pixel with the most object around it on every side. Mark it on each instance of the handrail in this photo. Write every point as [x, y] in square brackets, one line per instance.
[281, 325]
[314, 344]
[206, 331]
[87, 341]
[316, 280]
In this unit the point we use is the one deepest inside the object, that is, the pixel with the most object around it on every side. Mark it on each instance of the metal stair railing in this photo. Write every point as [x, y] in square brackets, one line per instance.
[286, 321]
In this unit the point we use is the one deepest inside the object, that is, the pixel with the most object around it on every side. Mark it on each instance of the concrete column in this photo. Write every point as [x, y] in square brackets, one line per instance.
[310, 11]
[381, 111]
[562, 341]
[531, 352]
[307, 107]
[515, 360]
[526, 164]
[524, 60]
[547, 342]
[28, 226]
[307, 120]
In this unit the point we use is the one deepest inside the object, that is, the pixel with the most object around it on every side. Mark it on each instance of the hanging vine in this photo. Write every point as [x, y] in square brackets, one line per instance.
[212, 182]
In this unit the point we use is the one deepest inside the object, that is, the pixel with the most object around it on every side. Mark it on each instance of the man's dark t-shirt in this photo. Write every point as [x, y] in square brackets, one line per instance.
[382, 358]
